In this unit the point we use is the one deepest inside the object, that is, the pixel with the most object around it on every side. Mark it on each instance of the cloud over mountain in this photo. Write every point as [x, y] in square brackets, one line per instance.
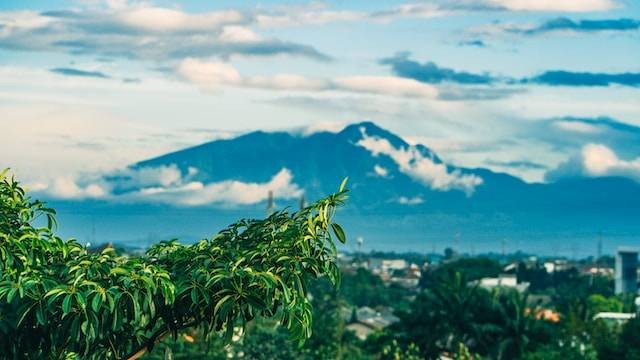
[166, 184]
[427, 170]
[597, 160]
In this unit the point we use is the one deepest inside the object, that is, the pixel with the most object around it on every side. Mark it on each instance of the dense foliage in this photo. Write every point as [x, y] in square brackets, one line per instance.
[59, 300]
[449, 316]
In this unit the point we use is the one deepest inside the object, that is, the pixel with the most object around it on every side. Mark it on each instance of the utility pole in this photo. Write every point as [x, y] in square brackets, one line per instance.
[93, 230]
[270, 203]
[599, 252]
[303, 204]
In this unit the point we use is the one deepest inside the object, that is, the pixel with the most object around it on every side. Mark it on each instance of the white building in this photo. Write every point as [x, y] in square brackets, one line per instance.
[503, 281]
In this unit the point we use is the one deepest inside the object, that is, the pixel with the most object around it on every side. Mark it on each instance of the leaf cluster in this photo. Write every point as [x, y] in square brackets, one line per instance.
[57, 299]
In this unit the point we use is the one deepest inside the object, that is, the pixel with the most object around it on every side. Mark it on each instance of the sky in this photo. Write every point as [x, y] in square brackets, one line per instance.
[534, 88]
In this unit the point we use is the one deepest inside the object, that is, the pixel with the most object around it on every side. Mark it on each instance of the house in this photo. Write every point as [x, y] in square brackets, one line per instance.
[385, 266]
[369, 320]
[614, 318]
[503, 281]
[362, 331]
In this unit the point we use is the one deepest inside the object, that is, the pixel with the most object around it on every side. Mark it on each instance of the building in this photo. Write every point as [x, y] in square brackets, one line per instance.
[626, 270]
[503, 281]
[377, 265]
[613, 318]
[368, 320]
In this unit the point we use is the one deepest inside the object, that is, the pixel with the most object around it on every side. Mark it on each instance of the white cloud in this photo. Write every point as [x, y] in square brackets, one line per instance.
[240, 34]
[416, 200]
[286, 82]
[164, 176]
[556, 5]
[211, 75]
[67, 188]
[599, 160]
[410, 10]
[151, 18]
[323, 126]
[144, 32]
[577, 127]
[380, 171]
[224, 192]
[424, 169]
[310, 14]
[387, 85]
[166, 184]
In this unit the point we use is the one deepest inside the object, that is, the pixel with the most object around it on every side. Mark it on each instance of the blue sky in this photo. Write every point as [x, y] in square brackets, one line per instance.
[535, 88]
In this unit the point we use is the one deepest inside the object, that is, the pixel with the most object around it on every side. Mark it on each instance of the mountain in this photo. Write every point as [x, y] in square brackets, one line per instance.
[404, 197]
[319, 161]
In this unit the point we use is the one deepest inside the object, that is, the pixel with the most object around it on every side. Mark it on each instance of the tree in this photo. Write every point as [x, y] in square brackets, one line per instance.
[629, 339]
[597, 303]
[515, 328]
[58, 300]
[442, 317]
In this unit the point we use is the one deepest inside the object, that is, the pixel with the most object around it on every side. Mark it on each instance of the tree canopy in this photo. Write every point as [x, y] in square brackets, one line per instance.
[58, 300]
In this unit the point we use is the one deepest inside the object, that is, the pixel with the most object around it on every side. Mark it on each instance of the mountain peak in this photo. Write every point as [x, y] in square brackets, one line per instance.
[357, 131]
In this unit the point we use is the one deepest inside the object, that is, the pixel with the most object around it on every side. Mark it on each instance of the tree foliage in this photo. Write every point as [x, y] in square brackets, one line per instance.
[59, 300]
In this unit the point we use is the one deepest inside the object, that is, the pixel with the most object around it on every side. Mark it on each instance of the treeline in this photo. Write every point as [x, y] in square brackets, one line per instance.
[448, 315]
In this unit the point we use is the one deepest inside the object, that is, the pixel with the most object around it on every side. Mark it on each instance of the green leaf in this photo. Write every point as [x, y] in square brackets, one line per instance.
[96, 302]
[66, 304]
[119, 271]
[343, 185]
[337, 229]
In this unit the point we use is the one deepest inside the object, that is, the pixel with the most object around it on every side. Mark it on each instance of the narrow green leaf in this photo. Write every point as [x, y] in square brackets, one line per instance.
[337, 229]
[66, 304]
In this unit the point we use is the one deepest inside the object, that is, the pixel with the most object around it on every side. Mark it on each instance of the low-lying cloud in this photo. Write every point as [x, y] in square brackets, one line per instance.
[597, 160]
[168, 185]
[424, 169]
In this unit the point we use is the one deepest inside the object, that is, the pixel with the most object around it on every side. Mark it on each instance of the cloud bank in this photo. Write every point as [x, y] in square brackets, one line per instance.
[142, 32]
[211, 75]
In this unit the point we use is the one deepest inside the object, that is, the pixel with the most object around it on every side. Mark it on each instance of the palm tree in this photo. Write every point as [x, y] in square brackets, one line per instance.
[454, 304]
[515, 326]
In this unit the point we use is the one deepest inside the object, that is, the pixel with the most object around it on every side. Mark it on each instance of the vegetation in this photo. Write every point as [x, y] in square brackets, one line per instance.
[58, 300]
[448, 316]
[251, 291]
